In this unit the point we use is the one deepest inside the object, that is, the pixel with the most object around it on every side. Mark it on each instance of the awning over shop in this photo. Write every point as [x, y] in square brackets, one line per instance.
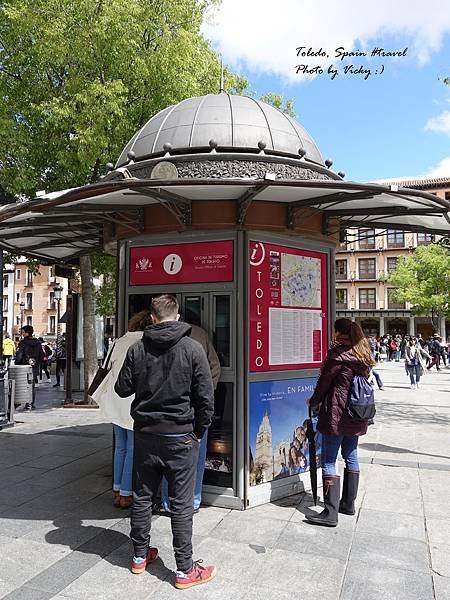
[63, 225]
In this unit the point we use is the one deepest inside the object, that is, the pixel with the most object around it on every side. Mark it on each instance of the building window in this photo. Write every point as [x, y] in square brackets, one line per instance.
[424, 238]
[392, 302]
[29, 320]
[5, 303]
[366, 239]
[18, 274]
[367, 298]
[367, 268]
[341, 299]
[5, 323]
[395, 239]
[341, 269]
[29, 278]
[5, 281]
[17, 320]
[29, 302]
[52, 324]
[51, 300]
[18, 297]
[392, 262]
[50, 275]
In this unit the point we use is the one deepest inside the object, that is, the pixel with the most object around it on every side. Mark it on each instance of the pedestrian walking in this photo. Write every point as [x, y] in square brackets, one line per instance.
[117, 410]
[434, 350]
[415, 357]
[169, 374]
[374, 374]
[60, 352]
[201, 336]
[29, 352]
[44, 363]
[9, 349]
[350, 356]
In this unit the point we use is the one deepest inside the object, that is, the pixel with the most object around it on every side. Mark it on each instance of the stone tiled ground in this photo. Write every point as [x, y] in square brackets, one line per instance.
[60, 537]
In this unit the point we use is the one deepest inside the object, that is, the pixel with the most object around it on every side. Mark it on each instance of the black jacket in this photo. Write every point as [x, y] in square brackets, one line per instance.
[169, 374]
[29, 351]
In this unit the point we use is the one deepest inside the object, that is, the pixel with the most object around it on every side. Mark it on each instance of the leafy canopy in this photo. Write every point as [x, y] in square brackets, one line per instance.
[423, 279]
[77, 79]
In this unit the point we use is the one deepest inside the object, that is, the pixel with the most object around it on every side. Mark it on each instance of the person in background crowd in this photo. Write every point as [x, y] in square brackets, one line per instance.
[434, 350]
[403, 345]
[60, 352]
[43, 365]
[117, 410]
[29, 352]
[393, 348]
[350, 356]
[420, 340]
[173, 407]
[398, 342]
[373, 345]
[448, 349]
[374, 374]
[414, 362]
[442, 350]
[9, 349]
[201, 336]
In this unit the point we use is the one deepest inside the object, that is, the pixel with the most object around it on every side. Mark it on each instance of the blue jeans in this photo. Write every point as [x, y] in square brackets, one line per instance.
[397, 354]
[198, 478]
[414, 371]
[123, 461]
[330, 448]
[377, 378]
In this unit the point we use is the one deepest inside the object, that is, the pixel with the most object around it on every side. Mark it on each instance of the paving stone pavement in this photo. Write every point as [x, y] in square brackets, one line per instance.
[61, 538]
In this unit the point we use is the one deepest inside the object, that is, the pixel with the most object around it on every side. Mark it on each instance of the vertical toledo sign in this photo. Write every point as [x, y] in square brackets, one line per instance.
[288, 307]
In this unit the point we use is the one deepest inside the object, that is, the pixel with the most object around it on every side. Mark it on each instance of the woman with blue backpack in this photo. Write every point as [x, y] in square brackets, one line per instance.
[344, 399]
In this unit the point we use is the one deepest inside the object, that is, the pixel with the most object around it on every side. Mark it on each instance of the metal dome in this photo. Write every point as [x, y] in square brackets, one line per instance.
[233, 122]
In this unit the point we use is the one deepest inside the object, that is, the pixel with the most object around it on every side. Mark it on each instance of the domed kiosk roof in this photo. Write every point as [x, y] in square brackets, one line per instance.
[233, 122]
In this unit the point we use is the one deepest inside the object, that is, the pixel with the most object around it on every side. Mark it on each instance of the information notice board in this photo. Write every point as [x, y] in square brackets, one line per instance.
[288, 307]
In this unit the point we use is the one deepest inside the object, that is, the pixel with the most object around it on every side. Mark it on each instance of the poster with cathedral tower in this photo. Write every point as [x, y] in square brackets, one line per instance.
[278, 414]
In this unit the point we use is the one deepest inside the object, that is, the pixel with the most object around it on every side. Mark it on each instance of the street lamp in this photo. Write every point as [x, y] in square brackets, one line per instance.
[22, 310]
[58, 290]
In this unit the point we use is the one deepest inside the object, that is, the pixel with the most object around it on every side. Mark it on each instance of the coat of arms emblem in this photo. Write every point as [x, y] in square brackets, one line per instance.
[143, 264]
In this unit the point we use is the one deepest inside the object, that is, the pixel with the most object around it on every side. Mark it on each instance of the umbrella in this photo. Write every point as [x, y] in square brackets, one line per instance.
[311, 437]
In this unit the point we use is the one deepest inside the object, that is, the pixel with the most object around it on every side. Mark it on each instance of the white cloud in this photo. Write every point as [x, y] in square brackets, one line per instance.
[442, 169]
[263, 34]
[439, 124]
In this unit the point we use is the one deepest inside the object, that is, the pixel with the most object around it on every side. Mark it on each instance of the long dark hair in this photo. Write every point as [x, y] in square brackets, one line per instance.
[360, 345]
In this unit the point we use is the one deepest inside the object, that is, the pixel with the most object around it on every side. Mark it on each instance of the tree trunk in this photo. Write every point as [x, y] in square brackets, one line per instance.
[89, 332]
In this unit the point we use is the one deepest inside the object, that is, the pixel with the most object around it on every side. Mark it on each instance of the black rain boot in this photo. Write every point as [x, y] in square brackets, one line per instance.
[331, 495]
[349, 492]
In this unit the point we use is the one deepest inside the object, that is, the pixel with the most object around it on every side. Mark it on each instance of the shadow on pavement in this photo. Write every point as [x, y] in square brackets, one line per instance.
[395, 450]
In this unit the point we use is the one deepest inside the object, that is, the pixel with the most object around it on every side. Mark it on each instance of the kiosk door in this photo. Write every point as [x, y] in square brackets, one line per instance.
[213, 311]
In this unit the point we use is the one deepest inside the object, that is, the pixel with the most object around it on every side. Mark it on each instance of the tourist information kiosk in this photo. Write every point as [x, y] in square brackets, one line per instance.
[227, 203]
[264, 299]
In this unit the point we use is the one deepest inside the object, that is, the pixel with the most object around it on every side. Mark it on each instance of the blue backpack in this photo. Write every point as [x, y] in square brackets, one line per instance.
[361, 400]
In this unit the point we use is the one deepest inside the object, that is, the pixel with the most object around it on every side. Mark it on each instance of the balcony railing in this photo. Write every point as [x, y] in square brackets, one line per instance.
[367, 245]
[368, 275]
[396, 305]
[341, 305]
[367, 305]
[341, 276]
[395, 245]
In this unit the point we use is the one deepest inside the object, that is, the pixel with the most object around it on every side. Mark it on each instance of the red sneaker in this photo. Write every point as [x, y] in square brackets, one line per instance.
[196, 576]
[139, 565]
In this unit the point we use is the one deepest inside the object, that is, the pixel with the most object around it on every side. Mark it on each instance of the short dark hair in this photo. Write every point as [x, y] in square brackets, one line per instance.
[28, 329]
[164, 307]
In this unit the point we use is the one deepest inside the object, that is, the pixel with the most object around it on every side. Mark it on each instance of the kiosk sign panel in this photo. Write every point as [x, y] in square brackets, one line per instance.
[198, 262]
[278, 443]
[288, 307]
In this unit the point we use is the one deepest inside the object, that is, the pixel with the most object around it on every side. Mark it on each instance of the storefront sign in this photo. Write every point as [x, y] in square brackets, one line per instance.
[198, 262]
[288, 307]
[278, 415]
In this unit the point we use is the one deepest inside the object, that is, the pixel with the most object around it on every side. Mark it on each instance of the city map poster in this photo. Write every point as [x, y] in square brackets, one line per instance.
[288, 307]
[278, 416]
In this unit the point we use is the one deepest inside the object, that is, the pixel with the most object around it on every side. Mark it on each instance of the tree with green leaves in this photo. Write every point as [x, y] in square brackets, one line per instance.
[423, 280]
[77, 79]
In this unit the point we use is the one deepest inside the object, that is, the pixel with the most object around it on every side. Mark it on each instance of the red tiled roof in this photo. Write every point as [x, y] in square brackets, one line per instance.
[419, 183]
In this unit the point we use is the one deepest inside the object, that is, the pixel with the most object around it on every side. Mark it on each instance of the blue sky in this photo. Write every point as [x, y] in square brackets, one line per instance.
[392, 125]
